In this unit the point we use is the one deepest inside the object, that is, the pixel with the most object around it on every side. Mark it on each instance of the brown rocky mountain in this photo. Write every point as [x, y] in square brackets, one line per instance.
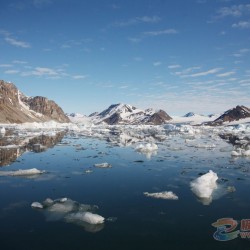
[235, 114]
[15, 107]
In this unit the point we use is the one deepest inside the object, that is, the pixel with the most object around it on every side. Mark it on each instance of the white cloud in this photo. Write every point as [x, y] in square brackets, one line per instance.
[174, 66]
[226, 74]
[134, 39]
[11, 71]
[40, 71]
[137, 20]
[79, 77]
[233, 11]
[205, 73]
[5, 65]
[186, 71]
[160, 32]
[138, 59]
[242, 25]
[17, 43]
[124, 87]
[157, 64]
[19, 62]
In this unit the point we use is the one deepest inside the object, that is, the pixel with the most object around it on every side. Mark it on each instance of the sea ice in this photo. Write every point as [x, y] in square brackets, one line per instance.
[148, 148]
[37, 205]
[166, 195]
[240, 152]
[22, 172]
[2, 130]
[86, 217]
[72, 212]
[204, 186]
[103, 165]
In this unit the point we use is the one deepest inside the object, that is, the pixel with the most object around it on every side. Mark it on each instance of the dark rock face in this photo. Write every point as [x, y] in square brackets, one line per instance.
[15, 107]
[235, 114]
[48, 108]
[158, 118]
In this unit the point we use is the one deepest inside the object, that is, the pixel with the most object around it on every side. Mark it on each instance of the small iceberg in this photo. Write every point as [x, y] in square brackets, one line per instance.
[204, 186]
[103, 165]
[22, 172]
[166, 195]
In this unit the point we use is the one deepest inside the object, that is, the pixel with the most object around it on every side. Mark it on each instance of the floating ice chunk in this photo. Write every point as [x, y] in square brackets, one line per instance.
[207, 146]
[22, 172]
[48, 202]
[246, 153]
[86, 217]
[204, 186]
[236, 153]
[2, 130]
[88, 171]
[148, 148]
[37, 205]
[103, 165]
[64, 206]
[166, 195]
[240, 152]
[63, 199]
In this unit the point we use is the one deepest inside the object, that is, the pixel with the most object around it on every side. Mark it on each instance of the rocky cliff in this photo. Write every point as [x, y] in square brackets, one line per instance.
[15, 107]
[234, 114]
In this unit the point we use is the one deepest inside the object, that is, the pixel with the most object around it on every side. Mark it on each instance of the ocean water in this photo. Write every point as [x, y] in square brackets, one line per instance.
[135, 221]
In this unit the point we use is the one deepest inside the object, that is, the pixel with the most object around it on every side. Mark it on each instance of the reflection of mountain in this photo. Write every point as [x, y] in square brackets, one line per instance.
[12, 147]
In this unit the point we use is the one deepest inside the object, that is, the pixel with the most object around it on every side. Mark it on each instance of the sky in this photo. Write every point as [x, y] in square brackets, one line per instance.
[176, 55]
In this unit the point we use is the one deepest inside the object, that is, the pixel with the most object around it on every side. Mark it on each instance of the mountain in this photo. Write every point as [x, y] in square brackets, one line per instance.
[15, 107]
[235, 114]
[190, 114]
[76, 115]
[127, 114]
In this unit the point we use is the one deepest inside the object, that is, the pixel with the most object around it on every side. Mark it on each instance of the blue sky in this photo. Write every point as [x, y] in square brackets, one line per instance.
[181, 56]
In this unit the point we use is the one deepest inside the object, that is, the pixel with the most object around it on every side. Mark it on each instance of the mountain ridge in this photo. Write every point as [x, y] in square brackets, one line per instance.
[15, 107]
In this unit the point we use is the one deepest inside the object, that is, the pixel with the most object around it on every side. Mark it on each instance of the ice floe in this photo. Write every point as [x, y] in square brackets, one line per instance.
[103, 165]
[204, 186]
[148, 148]
[166, 195]
[87, 217]
[240, 152]
[22, 172]
[37, 205]
[72, 212]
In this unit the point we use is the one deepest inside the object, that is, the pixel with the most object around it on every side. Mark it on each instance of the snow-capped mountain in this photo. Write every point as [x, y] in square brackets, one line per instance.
[76, 115]
[127, 114]
[189, 114]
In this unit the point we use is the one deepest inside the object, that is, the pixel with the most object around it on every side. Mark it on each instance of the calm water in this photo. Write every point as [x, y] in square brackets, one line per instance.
[142, 222]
